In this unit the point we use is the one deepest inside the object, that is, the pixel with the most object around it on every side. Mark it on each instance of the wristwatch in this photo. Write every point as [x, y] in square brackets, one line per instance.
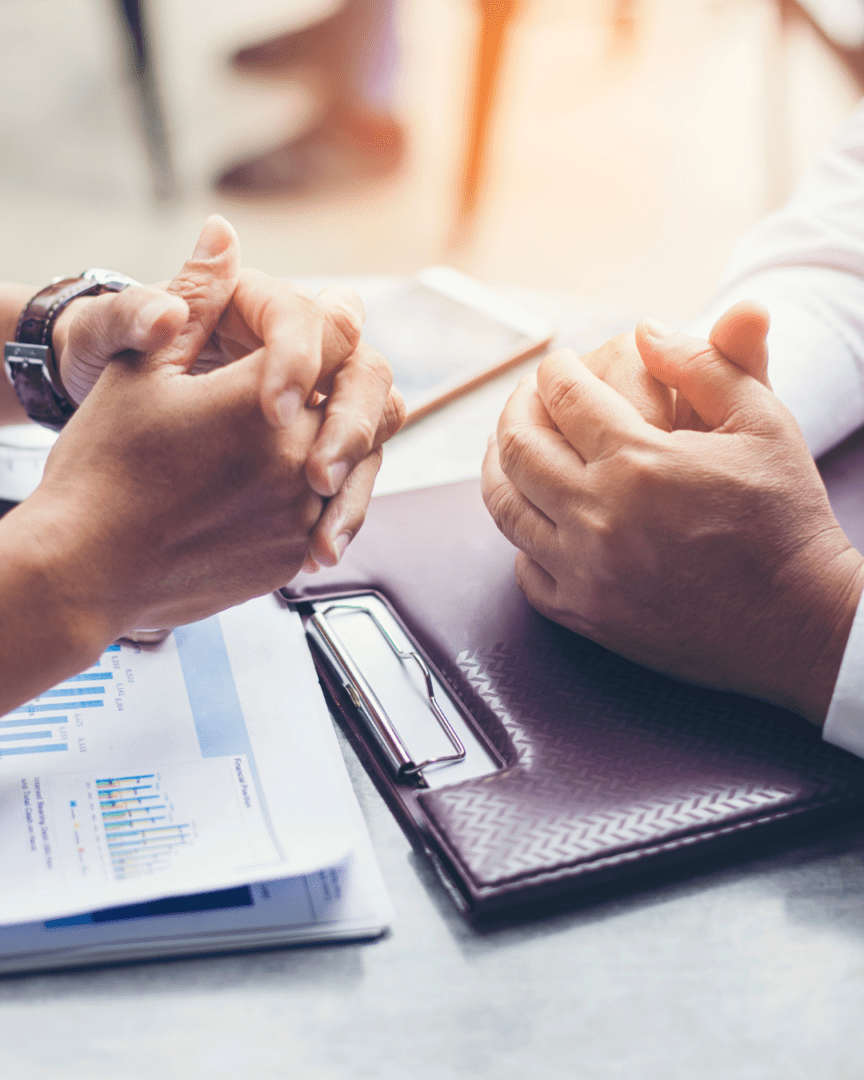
[29, 359]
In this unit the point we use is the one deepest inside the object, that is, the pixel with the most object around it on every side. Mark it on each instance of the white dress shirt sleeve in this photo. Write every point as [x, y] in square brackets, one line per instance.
[844, 725]
[806, 264]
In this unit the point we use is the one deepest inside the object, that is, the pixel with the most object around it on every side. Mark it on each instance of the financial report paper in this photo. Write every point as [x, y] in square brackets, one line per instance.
[203, 763]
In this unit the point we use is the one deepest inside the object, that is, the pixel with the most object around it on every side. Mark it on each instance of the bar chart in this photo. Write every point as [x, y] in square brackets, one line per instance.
[140, 834]
[41, 726]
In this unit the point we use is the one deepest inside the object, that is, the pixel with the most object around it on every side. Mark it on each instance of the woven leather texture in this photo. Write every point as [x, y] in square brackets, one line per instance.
[613, 758]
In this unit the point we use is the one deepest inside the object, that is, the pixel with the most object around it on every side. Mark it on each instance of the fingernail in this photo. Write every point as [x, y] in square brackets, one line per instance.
[656, 328]
[288, 405]
[336, 475]
[151, 313]
[213, 240]
[341, 542]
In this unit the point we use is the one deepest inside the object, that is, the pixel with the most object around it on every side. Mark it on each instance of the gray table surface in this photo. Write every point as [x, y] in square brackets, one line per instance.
[750, 969]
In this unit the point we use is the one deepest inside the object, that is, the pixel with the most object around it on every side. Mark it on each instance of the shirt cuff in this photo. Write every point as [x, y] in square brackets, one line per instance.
[844, 725]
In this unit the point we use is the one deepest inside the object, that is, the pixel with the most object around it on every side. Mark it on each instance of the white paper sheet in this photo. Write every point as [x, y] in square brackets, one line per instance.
[199, 764]
[338, 903]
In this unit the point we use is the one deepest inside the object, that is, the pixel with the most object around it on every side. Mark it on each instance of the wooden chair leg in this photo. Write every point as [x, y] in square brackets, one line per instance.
[133, 19]
[624, 22]
[496, 18]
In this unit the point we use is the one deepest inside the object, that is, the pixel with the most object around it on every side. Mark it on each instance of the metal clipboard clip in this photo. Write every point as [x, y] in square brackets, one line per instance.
[365, 700]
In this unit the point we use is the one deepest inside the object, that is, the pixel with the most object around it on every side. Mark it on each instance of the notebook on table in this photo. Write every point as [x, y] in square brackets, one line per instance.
[579, 766]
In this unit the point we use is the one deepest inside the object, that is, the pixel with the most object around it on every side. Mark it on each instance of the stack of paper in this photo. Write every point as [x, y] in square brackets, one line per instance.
[188, 796]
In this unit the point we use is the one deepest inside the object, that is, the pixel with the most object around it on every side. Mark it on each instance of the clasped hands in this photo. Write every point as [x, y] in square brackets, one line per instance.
[168, 497]
[663, 501]
[665, 505]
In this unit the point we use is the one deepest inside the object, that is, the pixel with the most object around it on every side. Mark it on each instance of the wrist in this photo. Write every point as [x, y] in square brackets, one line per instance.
[814, 669]
[51, 620]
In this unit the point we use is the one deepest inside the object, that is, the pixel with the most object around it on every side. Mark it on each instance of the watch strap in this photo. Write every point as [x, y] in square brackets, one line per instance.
[29, 372]
[36, 323]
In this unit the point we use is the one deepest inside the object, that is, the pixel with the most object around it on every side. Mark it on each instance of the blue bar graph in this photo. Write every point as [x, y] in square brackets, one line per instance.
[138, 842]
[116, 791]
[126, 800]
[29, 710]
[44, 748]
[40, 721]
[70, 691]
[133, 814]
[86, 690]
[125, 779]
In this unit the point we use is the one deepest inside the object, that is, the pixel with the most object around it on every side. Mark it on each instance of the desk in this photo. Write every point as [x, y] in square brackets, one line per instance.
[743, 970]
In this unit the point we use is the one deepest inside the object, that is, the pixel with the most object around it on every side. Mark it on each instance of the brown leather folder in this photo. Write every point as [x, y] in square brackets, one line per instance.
[603, 768]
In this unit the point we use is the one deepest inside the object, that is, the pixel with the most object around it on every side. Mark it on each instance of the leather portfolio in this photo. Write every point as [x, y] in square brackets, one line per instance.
[584, 767]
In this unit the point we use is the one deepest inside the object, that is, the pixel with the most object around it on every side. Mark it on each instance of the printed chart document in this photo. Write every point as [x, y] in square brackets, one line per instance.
[338, 903]
[203, 769]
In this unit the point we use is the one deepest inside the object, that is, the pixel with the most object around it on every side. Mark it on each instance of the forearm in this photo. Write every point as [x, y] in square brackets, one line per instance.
[12, 301]
[49, 627]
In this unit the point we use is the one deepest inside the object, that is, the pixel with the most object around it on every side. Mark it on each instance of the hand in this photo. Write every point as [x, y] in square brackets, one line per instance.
[312, 350]
[739, 334]
[311, 347]
[168, 497]
[711, 555]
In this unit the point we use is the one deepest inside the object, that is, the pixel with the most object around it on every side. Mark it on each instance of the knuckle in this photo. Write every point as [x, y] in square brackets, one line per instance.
[190, 286]
[639, 464]
[366, 429]
[374, 367]
[515, 446]
[562, 394]
[395, 413]
[525, 574]
[375, 457]
[360, 427]
[503, 505]
[701, 363]
[347, 326]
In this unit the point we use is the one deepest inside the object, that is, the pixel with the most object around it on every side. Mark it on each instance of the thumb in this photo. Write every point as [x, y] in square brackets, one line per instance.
[141, 319]
[717, 389]
[740, 334]
[206, 282]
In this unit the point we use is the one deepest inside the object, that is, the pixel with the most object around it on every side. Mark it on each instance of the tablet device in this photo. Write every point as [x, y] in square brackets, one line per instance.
[444, 333]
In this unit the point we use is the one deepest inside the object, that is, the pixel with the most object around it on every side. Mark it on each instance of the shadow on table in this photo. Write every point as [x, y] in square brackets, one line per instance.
[322, 965]
[818, 874]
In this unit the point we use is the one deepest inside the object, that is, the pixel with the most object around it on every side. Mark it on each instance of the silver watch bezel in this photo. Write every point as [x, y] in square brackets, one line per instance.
[109, 279]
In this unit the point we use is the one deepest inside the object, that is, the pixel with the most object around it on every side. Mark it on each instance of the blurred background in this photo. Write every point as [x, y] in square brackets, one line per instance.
[611, 148]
